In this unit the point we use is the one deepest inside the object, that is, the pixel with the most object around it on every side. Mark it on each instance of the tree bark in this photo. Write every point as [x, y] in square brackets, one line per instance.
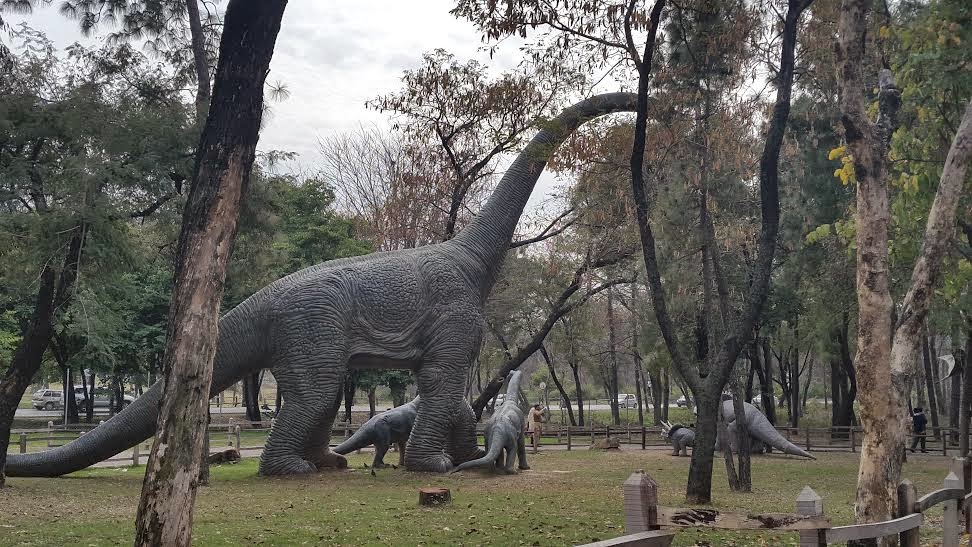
[224, 159]
[966, 357]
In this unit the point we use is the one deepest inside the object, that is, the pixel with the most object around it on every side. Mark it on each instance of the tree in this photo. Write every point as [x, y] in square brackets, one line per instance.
[886, 347]
[224, 159]
[73, 185]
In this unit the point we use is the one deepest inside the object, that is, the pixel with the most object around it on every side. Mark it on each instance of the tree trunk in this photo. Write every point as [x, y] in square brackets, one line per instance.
[350, 386]
[806, 385]
[966, 356]
[372, 401]
[200, 61]
[224, 159]
[930, 383]
[72, 400]
[251, 395]
[89, 390]
[578, 390]
[936, 367]
[883, 366]
[560, 387]
[699, 487]
[611, 378]
[956, 403]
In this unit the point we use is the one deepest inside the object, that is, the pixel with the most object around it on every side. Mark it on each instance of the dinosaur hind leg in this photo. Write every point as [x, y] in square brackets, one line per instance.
[318, 449]
[382, 444]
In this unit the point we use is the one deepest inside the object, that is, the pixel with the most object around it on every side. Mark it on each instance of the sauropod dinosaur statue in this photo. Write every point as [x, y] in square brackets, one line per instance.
[382, 430]
[420, 309]
[504, 431]
[760, 429]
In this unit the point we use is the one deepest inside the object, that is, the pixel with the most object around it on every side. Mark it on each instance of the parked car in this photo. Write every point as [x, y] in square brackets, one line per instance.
[681, 402]
[627, 400]
[102, 397]
[47, 399]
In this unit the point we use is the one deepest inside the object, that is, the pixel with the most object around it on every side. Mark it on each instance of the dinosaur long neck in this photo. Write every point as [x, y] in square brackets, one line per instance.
[488, 236]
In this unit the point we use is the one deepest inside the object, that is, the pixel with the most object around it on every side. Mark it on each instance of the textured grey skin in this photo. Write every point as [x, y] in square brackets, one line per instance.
[419, 309]
[504, 432]
[681, 438]
[382, 430]
[759, 428]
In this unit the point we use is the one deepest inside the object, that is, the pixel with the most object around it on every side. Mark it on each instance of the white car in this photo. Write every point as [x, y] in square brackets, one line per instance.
[681, 401]
[47, 399]
[627, 400]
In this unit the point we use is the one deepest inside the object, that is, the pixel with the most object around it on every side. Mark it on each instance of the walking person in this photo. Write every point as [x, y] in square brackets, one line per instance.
[537, 418]
[918, 423]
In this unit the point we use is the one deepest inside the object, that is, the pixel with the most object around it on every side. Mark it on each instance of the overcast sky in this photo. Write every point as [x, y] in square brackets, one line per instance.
[333, 55]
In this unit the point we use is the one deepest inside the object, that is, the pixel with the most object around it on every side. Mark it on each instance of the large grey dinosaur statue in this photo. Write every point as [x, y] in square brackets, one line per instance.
[504, 431]
[760, 429]
[382, 430]
[420, 309]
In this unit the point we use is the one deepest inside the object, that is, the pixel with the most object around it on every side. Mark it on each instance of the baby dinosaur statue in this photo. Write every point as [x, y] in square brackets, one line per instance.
[382, 430]
[504, 431]
[419, 309]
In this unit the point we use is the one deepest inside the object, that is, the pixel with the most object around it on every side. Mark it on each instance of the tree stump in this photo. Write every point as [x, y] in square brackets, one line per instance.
[432, 497]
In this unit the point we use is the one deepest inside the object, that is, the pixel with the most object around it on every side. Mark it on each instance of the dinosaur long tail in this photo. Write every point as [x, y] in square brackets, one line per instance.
[240, 351]
[492, 453]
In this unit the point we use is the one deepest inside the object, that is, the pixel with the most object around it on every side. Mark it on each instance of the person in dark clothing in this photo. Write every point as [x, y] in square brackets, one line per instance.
[918, 422]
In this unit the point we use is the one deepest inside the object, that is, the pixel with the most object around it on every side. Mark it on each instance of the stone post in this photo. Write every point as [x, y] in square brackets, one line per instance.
[640, 503]
[809, 504]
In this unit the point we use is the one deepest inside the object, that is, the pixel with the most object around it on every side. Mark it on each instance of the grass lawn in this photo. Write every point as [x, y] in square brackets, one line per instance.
[567, 498]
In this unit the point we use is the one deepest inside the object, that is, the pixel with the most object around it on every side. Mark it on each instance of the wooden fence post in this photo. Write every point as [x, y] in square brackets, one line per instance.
[808, 438]
[135, 454]
[568, 438]
[907, 496]
[644, 438]
[237, 431]
[640, 503]
[809, 504]
[950, 522]
[853, 441]
[962, 467]
[23, 443]
[50, 431]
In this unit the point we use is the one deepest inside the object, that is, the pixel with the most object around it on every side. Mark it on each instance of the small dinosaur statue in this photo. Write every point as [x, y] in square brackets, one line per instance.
[504, 431]
[680, 436]
[382, 430]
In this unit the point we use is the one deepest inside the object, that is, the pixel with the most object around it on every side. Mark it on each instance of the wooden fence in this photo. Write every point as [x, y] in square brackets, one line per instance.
[830, 439]
[642, 515]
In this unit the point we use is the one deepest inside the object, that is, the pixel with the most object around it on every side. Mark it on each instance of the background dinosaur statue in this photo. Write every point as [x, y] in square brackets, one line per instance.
[420, 309]
[760, 429]
[680, 436]
[382, 430]
[504, 431]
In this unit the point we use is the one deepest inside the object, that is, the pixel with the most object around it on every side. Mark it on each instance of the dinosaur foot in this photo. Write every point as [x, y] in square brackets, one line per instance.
[439, 463]
[524, 468]
[329, 460]
[380, 465]
[285, 465]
